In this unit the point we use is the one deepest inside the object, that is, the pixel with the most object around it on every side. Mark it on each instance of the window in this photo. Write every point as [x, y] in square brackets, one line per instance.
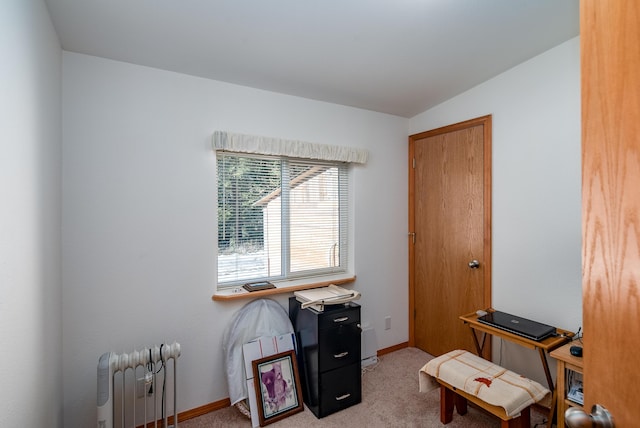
[280, 217]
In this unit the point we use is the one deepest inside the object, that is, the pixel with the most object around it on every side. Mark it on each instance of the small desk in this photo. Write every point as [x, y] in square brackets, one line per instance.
[566, 361]
[543, 346]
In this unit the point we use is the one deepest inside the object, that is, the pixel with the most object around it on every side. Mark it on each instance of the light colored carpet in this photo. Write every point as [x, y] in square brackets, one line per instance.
[390, 398]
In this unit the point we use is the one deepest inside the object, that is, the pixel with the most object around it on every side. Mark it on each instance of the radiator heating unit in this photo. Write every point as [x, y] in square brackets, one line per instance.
[138, 389]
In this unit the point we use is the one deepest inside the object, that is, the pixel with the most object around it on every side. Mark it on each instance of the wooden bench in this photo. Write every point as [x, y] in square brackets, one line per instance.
[451, 396]
[464, 377]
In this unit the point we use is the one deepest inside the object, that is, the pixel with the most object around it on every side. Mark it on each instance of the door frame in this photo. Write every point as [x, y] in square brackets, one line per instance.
[485, 121]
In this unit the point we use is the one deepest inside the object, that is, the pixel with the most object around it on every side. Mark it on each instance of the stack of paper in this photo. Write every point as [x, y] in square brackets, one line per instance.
[331, 295]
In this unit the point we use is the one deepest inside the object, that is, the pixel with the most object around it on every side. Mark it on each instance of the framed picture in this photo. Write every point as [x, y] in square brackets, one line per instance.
[277, 385]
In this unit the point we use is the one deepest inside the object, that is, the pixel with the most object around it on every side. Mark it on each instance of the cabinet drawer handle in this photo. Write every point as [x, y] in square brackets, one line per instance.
[342, 397]
[343, 319]
[340, 355]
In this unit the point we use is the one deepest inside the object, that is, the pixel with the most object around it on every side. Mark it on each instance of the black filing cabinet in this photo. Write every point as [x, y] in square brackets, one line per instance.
[328, 355]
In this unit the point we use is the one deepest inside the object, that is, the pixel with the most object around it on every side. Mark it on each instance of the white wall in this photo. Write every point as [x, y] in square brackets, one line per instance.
[140, 216]
[30, 217]
[536, 189]
[139, 209]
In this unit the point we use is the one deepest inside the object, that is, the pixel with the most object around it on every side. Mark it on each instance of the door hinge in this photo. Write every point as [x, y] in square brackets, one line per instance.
[414, 163]
[413, 237]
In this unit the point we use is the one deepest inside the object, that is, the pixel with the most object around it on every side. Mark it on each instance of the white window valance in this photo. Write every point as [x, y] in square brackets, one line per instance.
[241, 143]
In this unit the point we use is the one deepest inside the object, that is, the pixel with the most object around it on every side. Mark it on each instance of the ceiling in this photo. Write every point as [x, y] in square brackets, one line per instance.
[396, 56]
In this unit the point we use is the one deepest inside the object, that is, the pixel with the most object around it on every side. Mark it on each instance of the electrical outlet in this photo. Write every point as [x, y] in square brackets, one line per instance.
[387, 323]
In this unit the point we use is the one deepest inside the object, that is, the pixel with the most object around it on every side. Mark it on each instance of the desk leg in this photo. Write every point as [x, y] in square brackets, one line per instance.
[554, 392]
[545, 365]
[479, 348]
[552, 410]
[562, 388]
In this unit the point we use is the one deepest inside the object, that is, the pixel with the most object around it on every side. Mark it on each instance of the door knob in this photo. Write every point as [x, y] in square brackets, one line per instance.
[474, 264]
[599, 418]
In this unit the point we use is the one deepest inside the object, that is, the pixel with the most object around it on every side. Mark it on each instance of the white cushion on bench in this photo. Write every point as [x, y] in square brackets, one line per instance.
[489, 382]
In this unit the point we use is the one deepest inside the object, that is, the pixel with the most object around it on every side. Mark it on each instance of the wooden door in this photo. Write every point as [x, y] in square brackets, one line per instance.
[610, 68]
[450, 210]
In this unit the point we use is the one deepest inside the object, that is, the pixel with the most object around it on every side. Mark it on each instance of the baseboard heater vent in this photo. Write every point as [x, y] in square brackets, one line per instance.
[134, 389]
[369, 348]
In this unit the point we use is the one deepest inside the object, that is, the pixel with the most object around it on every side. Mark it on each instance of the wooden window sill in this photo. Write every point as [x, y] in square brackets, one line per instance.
[238, 293]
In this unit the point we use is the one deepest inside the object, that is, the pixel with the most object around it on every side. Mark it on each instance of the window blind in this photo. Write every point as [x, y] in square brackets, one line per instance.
[280, 217]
